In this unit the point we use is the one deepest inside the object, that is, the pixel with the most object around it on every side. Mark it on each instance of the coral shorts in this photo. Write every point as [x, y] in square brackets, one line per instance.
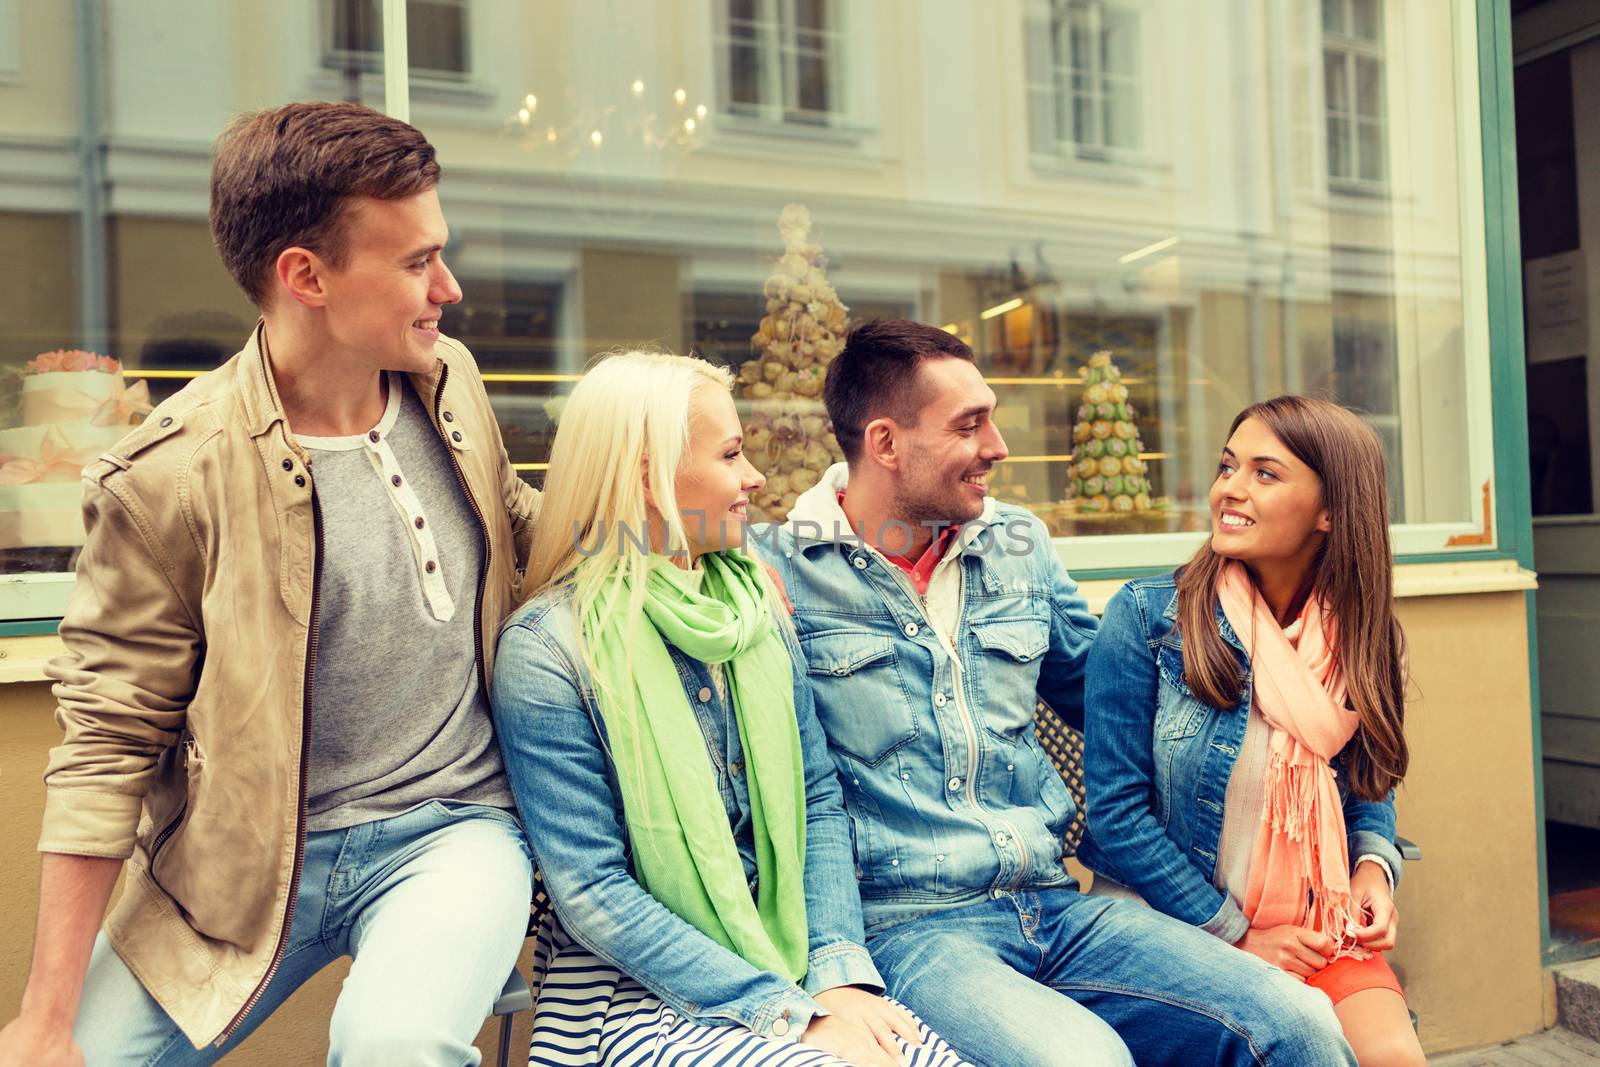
[1349, 975]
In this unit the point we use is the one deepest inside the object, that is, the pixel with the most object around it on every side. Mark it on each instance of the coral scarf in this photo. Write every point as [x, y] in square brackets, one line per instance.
[1301, 855]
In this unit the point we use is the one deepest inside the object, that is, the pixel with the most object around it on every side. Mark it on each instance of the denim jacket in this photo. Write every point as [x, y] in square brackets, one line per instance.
[1157, 763]
[557, 759]
[949, 794]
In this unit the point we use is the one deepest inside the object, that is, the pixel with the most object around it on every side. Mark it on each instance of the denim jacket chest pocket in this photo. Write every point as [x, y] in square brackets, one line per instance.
[1006, 670]
[861, 698]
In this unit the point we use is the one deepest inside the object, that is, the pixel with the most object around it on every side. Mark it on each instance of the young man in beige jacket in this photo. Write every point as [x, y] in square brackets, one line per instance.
[275, 692]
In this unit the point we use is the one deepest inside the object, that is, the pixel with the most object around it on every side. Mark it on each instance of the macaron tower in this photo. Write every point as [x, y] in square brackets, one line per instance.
[1108, 475]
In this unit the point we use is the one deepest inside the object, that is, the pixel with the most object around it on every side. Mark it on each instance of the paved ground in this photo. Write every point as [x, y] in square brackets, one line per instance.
[1552, 1048]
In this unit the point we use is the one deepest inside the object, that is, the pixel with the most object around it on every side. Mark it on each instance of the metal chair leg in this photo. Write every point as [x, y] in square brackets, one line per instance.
[505, 1040]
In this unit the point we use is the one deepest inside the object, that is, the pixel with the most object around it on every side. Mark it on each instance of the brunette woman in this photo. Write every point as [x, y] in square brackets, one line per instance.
[1244, 720]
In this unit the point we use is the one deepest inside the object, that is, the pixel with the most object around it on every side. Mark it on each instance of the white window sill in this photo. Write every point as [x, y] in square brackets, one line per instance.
[1410, 580]
[466, 93]
[735, 129]
[1120, 167]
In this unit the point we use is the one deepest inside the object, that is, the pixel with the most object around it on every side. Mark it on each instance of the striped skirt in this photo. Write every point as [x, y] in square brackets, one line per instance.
[588, 1013]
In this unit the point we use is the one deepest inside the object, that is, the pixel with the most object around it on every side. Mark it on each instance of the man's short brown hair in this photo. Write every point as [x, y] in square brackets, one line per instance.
[876, 376]
[282, 178]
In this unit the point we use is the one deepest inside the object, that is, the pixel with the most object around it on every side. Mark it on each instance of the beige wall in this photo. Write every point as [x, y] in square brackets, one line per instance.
[296, 1033]
[1470, 951]
[1469, 936]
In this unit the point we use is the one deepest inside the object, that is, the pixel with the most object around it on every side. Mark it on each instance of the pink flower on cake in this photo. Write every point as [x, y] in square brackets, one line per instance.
[71, 360]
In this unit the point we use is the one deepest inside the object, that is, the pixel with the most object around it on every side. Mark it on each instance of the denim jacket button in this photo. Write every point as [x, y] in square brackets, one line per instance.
[704, 694]
[911, 629]
[905, 776]
[954, 783]
[780, 1028]
[860, 563]
[1002, 838]
[938, 700]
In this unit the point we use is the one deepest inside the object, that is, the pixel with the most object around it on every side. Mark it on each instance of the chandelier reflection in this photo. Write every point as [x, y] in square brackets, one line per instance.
[657, 122]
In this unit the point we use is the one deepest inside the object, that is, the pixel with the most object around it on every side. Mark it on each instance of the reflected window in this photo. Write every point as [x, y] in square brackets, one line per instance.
[780, 60]
[436, 37]
[1353, 91]
[1087, 69]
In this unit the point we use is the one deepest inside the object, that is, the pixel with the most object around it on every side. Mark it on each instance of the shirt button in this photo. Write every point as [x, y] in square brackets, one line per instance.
[432, 566]
[911, 629]
[373, 436]
[449, 417]
[938, 700]
[861, 563]
[954, 783]
[704, 694]
[417, 522]
[394, 480]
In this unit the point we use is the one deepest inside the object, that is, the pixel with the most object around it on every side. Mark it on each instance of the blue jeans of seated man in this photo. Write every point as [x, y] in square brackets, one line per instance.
[1057, 979]
[432, 905]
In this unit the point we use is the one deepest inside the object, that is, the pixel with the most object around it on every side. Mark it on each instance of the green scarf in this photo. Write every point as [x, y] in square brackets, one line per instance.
[684, 852]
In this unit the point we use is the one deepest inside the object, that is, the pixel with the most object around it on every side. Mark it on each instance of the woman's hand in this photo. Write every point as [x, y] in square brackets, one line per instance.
[1369, 886]
[861, 1027]
[1296, 949]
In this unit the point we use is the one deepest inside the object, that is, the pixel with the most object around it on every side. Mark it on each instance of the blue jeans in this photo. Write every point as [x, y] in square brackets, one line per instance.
[431, 904]
[1054, 978]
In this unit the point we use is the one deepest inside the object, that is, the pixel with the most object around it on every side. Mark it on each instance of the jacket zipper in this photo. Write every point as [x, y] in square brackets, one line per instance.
[166, 832]
[305, 757]
[172, 823]
[968, 725]
[483, 527]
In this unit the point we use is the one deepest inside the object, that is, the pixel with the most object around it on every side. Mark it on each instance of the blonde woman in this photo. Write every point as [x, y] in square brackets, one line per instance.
[665, 754]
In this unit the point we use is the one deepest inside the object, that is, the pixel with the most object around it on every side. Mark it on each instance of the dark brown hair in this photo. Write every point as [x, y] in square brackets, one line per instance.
[875, 376]
[282, 178]
[1352, 573]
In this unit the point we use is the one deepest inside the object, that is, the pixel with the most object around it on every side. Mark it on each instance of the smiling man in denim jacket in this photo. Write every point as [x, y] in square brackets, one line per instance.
[932, 617]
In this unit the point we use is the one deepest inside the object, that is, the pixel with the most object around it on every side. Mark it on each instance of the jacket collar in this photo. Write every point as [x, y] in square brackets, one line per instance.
[259, 390]
[1224, 627]
[818, 519]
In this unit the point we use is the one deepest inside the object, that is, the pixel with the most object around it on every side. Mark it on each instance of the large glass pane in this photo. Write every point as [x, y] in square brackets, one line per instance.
[1124, 313]
[113, 296]
[1138, 299]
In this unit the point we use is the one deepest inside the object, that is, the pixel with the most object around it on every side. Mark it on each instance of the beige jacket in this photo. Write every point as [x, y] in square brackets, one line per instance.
[185, 693]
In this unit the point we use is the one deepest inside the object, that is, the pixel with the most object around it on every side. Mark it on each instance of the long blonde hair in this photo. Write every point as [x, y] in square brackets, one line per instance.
[627, 418]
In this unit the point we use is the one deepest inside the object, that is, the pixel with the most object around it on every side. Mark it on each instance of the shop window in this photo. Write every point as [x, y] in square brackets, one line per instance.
[1115, 319]
[436, 38]
[781, 60]
[1084, 60]
[1353, 92]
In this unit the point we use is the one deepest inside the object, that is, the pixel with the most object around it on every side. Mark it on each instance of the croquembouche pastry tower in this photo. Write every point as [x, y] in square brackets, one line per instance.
[787, 434]
[1108, 475]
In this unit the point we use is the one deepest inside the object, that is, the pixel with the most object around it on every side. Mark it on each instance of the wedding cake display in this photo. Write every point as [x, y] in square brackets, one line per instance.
[74, 405]
[787, 433]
